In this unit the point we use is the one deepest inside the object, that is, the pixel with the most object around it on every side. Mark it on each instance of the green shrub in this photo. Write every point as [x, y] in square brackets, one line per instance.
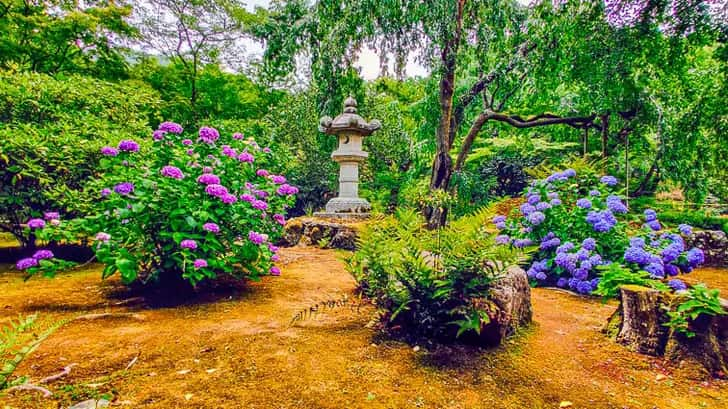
[51, 131]
[430, 283]
[696, 301]
[181, 209]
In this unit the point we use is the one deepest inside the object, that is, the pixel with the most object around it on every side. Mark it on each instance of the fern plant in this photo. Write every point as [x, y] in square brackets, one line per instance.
[430, 283]
[19, 339]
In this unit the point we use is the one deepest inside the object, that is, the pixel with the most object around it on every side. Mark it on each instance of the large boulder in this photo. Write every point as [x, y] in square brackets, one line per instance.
[714, 244]
[508, 305]
[321, 232]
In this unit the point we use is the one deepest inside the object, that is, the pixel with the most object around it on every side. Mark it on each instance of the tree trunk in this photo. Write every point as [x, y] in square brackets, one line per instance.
[707, 350]
[637, 323]
[605, 134]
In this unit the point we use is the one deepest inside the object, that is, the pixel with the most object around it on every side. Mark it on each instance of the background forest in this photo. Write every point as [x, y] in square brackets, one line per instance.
[634, 87]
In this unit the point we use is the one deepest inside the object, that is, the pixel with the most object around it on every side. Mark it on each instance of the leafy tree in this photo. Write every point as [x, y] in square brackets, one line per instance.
[64, 36]
[192, 33]
[497, 54]
[51, 131]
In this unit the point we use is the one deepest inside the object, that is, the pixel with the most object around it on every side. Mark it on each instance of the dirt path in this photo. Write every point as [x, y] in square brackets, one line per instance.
[236, 350]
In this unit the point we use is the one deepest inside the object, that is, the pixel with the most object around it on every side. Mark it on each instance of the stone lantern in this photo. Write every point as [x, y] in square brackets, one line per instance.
[350, 129]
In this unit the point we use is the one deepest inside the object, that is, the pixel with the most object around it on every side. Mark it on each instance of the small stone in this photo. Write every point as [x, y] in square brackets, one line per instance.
[183, 372]
[565, 404]
[188, 396]
[416, 348]
[660, 377]
[91, 404]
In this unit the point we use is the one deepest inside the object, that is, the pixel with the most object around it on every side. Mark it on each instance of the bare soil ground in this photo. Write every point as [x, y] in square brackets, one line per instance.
[235, 349]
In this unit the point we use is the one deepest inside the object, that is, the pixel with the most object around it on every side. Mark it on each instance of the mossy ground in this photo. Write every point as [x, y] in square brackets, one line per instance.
[235, 349]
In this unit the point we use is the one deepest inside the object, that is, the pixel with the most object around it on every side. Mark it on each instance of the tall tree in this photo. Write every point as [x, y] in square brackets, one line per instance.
[490, 56]
[192, 33]
[64, 36]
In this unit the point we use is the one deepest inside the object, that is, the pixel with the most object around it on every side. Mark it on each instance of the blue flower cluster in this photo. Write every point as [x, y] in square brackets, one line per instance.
[601, 221]
[663, 255]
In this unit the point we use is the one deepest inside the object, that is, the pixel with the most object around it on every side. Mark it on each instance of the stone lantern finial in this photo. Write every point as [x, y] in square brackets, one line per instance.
[350, 129]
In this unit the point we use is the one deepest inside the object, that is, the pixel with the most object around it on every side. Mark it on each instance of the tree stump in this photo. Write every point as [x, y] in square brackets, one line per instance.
[638, 322]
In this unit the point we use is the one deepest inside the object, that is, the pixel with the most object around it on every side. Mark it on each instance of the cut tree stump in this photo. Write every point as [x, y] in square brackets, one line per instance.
[638, 322]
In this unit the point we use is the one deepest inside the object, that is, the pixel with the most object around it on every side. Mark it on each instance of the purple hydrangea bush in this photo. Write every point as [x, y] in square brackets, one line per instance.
[579, 224]
[190, 207]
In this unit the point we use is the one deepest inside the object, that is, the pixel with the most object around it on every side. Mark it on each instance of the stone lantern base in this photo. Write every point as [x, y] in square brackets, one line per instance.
[346, 208]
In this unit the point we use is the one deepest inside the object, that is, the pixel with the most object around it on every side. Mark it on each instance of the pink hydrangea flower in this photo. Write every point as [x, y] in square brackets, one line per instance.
[200, 263]
[278, 179]
[208, 179]
[128, 145]
[109, 151]
[246, 157]
[229, 198]
[280, 219]
[262, 173]
[187, 142]
[238, 136]
[208, 135]
[188, 244]
[211, 227]
[158, 135]
[172, 172]
[51, 215]
[256, 237]
[36, 223]
[103, 237]
[260, 205]
[275, 271]
[216, 190]
[171, 127]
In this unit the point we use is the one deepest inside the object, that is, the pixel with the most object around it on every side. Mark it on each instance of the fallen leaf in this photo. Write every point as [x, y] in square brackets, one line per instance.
[188, 396]
[565, 404]
[211, 370]
[183, 372]
[660, 377]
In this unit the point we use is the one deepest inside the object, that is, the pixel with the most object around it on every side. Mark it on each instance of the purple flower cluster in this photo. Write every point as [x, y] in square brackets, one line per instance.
[208, 135]
[256, 238]
[26, 263]
[188, 244]
[124, 188]
[561, 176]
[662, 256]
[246, 157]
[278, 179]
[109, 151]
[128, 145]
[601, 221]
[216, 190]
[171, 127]
[584, 203]
[262, 172]
[286, 190]
[609, 180]
[549, 241]
[208, 179]
[36, 223]
[685, 229]
[172, 172]
[211, 227]
[615, 204]
[200, 263]
[158, 135]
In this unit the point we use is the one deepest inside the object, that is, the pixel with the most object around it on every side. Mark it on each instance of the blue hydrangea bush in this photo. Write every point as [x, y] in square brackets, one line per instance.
[579, 224]
[179, 207]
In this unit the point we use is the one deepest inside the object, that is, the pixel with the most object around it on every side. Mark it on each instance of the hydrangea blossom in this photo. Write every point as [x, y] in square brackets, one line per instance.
[172, 172]
[246, 157]
[609, 180]
[128, 145]
[247, 197]
[275, 271]
[262, 172]
[187, 142]
[103, 237]
[280, 219]
[536, 218]
[43, 255]
[51, 216]
[171, 127]
[109, 151]
[200, 263]
[278, 179]
[228, 198]
[260, 205]
[685, 229]
[216, 190]
[499, 219]
[286, 189]
[36, 223]
[105, 192]
[26, 263]
[584, 203]
[211, 227]
[208, 179]
[502, 239]
[188, 244]
[255, 237]
[677, 284]
[158, 135]
[124, 188]
[208, 135]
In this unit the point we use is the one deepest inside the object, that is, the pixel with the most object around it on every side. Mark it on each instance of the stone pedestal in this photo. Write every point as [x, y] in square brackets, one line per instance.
[350, 129]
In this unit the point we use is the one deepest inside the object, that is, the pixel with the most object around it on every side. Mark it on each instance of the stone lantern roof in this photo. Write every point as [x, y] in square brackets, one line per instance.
[348, 121]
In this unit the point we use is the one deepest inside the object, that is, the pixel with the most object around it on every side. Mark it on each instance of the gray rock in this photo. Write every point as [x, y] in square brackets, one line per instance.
[714, 244]
[509, 307]
[320, 232]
